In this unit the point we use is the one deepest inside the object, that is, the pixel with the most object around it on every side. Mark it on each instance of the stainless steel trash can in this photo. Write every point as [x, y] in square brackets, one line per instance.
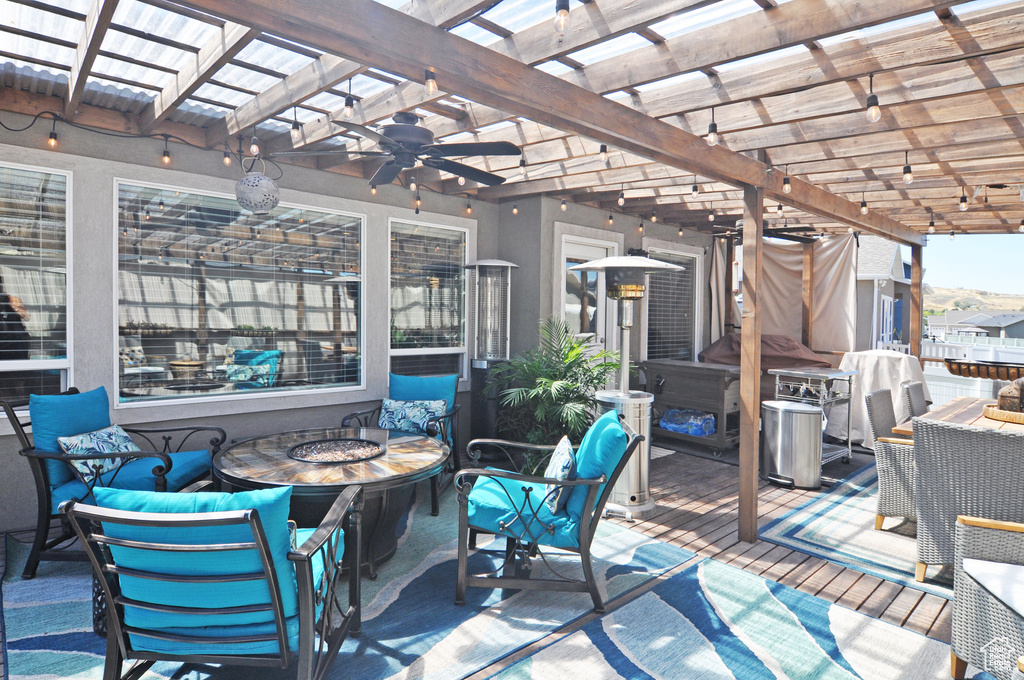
[631, 495]
[791, 444]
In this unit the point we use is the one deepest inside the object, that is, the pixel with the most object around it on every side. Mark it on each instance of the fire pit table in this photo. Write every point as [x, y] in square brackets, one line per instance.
[318, 464]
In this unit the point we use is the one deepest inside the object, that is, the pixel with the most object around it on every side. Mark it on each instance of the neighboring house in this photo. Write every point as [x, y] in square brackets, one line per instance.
[1005, 325]
[883, 293]
[958, 322]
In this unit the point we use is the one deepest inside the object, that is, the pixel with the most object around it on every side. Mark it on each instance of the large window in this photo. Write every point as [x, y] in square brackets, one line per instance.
[34, 207]
[214, 301]
[672, 308]
[428, 330]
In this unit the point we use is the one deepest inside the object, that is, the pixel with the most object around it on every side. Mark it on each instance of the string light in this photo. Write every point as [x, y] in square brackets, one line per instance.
[522, 168]
[462, 181]
[694, 190]
[680, 230]
[931, 226]
[952, 235]
[254, 146]
[908, 176]
[296, 133]
[430, 83]
[515, 208]
[373, 189]
[564, 207]
[654, 215]
[778, 211]
[561, 16]
[711, 213]
[604, 153]
[350, 102]
[419, 201]
[161, 205]
[412, 183]
[52, 141]
[712, 138]
[227, 158]
[167, 153]
[640, 228]
[611, 219]
[874, 112]
[863, 204]
[1021, 227]
[963, 199]
[787, 187]
[469, 208]
[622, 198]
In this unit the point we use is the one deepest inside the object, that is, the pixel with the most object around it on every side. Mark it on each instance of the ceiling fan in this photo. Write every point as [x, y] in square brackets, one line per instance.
[786, 233]
[404, 144]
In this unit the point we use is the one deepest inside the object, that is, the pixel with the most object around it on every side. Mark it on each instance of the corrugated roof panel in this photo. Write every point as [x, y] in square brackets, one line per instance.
[23, 76]
[328, 101]
[31, 49]
[610, 48]
[515, 15]
[704, 17]
[39, 21]
[157, 21]
[222, 94]
[881, 28]
[247, 78]
[273, 57]
[109, 95]
[140, 74]
[145, 50]
[474, 33]
[793, 51]
[671, 82]
[364, 86]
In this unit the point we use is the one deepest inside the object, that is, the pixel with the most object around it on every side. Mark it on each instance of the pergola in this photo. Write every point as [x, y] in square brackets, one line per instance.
[614, 106]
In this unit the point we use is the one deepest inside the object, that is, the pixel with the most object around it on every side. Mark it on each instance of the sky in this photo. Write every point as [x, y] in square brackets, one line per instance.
[989, 262]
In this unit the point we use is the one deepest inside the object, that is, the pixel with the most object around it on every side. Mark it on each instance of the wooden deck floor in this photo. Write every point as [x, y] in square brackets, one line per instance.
[697, 500]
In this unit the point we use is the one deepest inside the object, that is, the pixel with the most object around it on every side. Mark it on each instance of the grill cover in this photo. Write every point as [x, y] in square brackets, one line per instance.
[777, 351]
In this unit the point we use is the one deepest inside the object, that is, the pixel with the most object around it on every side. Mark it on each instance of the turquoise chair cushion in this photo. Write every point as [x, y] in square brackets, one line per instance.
[65, 415]
[291, 623]
[423, 388]
[493, 501]
[599, 453]
[272, 505]
[138, 475]
[269, 359]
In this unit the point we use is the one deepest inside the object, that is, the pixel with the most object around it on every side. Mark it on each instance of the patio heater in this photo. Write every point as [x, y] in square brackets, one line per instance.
[490, 308]
[625, 281]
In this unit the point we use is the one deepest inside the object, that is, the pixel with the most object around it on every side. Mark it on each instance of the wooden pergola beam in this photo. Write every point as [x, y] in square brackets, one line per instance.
[218, 51]
[97, 20]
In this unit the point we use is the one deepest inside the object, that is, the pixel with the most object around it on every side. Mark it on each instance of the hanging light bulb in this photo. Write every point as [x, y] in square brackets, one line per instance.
[469, 208]
[640, 228]
[680, 230]
[296, 133]
[227, 158]
[350, 106]
[167, 153]
[908, 176]
[622, 198]
[522, 167]
[254, 146]
[694, 190]
[147, 215]
[654, 215]
[412, 183]
[963, 200]
[561, 16]
[604, 153]
[863, 204]
[952, 235]
[611, 219]
[931, 226]
[778, 210]
[462, 181]
[874, 112]
[430, 83]
[711, 214]
[52, 141]
[419, 201]
[515, 208]
[1021, 227]
[564, 207]
[161, 205]
[712, 138]
[787, 187]
[373, 189]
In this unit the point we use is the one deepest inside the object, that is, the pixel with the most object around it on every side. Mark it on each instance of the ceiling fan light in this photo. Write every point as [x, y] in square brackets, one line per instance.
[562, 18]
[350, 107]
[430, 83]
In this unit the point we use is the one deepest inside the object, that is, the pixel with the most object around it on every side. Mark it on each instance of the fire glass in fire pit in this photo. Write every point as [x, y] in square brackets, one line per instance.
[336, 451]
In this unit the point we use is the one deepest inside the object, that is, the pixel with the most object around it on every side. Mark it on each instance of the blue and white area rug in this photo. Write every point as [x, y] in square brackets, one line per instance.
[715, 622]
[411, 626]
[839, 526]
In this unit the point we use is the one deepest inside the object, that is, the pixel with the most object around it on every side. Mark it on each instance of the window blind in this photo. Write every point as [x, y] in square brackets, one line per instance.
[671, 309]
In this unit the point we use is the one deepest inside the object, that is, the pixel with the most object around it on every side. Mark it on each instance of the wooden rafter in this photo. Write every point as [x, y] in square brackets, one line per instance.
[97, 20]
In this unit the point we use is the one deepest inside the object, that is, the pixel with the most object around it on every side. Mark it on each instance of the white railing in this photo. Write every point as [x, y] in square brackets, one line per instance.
[894, 346]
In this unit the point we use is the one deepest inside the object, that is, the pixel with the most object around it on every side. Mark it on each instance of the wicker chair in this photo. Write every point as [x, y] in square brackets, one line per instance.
[895, 461]
[963, 470]
[913, 396]
[986, 632]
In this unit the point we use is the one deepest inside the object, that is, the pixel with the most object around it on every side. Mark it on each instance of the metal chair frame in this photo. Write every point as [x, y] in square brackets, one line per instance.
[523, 547]
[162, 441]
[314, 656]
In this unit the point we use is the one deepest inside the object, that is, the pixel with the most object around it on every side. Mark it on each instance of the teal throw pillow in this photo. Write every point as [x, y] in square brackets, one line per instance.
[108, 440]
[409, 416]
[562, 466]
[63, 415]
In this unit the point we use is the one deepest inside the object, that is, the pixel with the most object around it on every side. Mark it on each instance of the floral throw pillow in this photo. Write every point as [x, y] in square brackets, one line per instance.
[562, 466]
[108, 440]
[410, 416]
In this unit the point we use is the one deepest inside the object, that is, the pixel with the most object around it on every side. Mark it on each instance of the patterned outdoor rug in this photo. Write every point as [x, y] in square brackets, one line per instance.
[839, 526]
[411, 627]
[715, 622]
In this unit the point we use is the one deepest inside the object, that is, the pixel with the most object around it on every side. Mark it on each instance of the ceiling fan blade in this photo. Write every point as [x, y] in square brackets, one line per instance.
[326, 152]
[794, 228]
[792, 237]
[472, 149]
[469, 172]
[372, 135]
[386, 173]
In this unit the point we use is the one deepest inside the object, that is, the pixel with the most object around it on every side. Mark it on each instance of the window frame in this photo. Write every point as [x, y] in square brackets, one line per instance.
[697, 253]
[238, 395]
[65, 366]
[466, 349]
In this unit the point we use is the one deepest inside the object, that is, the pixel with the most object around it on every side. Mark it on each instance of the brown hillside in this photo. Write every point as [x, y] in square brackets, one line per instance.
[940, 299]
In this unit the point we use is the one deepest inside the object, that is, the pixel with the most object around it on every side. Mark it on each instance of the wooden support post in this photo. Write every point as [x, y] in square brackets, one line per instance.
[750, 361]
[916, 274]
[728, 322]
[807, 293]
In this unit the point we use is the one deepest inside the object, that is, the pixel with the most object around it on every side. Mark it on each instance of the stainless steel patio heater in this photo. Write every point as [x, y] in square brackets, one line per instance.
[625, 281]
[490, 307]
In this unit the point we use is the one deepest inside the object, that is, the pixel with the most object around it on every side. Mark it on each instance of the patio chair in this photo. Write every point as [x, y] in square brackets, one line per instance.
[913, 396]
[963, 470]
[254, 368]
[988, 604]
[515, 506]
[214, 578]
[445, 427]
[895, 461]
[164, 466]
